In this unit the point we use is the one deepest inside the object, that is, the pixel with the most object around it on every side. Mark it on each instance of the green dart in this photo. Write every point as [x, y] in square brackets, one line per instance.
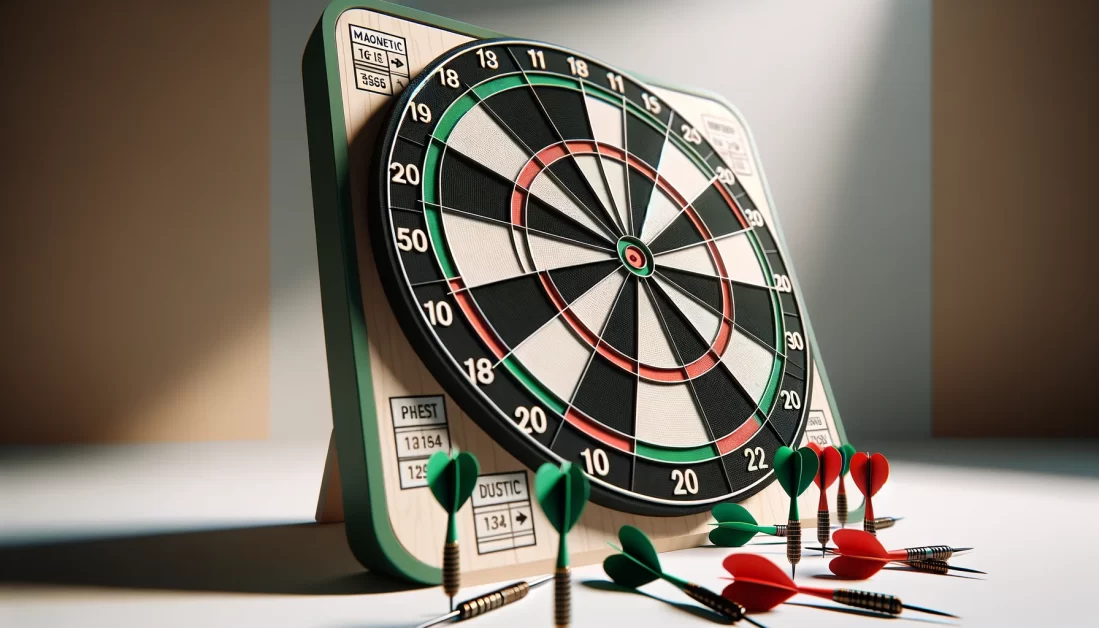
[795, 469]
[846, 451]
[562, 492]
[451, 477]
[637, 564]
[736, 526]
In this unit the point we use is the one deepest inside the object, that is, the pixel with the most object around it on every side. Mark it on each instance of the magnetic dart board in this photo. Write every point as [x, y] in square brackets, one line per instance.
[536, 256]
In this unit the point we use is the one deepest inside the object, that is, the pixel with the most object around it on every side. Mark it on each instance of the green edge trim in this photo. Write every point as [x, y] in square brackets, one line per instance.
[671, 454]
[535, 386]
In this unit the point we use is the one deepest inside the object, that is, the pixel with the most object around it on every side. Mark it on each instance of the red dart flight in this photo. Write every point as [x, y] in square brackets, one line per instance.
[869, 472]
[760, 585]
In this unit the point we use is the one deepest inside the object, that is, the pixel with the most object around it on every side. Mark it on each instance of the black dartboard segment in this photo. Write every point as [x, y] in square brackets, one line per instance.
[556, 239]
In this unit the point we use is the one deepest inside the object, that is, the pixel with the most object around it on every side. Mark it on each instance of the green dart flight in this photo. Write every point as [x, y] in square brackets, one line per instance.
[846, 451]
[736, 526]
[562, 492]
[795, 469]
[637, 564]
[451, 477]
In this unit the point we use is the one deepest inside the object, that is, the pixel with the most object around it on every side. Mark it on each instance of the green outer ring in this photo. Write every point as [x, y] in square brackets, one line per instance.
[432, 214]
[369, 529]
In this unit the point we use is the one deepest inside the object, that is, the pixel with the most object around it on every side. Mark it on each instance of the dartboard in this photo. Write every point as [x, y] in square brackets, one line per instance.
[587, 277]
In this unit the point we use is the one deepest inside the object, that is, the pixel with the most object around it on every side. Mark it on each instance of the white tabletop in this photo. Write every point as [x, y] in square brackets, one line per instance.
[221, 535]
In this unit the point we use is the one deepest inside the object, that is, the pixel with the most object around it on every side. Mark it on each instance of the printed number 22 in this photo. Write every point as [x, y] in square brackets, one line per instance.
[757, 457]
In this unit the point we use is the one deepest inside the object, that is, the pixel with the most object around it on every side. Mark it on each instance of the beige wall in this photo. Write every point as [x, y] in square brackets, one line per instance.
[1016, 217]
[134, 260]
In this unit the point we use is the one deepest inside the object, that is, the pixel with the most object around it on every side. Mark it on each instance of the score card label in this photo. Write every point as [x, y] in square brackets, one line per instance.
[381, 61]
[501, 512]
[419, 430]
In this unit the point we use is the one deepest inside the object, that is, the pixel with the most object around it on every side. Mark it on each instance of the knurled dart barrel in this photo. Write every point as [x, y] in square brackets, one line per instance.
[871, 601]
[562, 597]
[793, 541]
[841, 508]
[929, 566]
[708, 598]
[824, 527]
[452, 574]
[870, 525]
[929, 552]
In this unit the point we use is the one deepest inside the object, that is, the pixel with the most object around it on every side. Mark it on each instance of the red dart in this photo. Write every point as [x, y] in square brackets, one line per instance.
[869, 473]
[831, 463]
[760, 585]
[861, 555]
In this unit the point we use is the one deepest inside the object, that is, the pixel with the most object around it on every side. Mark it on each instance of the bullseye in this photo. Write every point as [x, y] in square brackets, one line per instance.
[636, 256]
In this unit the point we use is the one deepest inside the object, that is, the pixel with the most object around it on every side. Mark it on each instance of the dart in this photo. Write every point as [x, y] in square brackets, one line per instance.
[759, 585]
[845, 451]
[862, 555]
[869, 473]
[562, 492]
[795, 469]
[736, 526]
[451, 477]
[830, 464]
[637, 564]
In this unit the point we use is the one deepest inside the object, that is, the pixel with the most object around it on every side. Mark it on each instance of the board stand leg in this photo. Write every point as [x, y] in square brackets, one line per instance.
[330, 499]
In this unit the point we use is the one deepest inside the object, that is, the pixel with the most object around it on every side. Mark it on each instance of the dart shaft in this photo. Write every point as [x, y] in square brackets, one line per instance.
[871, 601]
[452, 574]
[714, 602]
[562, 597]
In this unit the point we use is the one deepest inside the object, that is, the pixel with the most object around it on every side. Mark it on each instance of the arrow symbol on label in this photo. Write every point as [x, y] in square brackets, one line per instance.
[397, 63]
[521, 518]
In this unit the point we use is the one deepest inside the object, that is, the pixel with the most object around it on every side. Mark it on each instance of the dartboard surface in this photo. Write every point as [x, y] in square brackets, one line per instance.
[587, 278]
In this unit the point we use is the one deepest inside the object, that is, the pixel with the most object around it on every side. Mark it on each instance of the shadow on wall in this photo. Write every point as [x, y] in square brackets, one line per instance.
[303, 559]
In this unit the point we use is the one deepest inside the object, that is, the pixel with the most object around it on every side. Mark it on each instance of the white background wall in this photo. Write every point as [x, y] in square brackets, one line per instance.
[838, 96]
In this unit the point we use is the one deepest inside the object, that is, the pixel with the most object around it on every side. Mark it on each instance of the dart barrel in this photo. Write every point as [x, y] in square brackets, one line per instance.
[793, 541]
[491, 601]
[841, 508]
[824, 527]
[870, 525]
[452, 574]
[929, 566]
[562, 597]
[780, 530]
[929, 552]
[714, 602]
[871, 601]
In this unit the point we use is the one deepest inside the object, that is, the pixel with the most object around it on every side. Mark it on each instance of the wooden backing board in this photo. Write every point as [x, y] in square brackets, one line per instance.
[417, 521]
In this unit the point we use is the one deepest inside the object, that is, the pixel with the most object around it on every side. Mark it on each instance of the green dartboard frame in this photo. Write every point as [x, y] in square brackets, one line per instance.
[369, 529]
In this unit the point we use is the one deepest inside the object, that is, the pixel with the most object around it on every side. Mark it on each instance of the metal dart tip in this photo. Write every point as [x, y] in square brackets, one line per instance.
[930, 611]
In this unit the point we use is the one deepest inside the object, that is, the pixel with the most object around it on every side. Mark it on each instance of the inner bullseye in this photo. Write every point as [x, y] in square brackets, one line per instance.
[636, 256]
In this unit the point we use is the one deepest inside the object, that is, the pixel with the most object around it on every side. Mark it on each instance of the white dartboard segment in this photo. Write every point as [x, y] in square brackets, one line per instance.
[550, 253]
[667, 414]
[482, 250]
[749, 363]
[480, 137]
[593, 308]
[654, 348]
[555, 356]
[701, 317]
